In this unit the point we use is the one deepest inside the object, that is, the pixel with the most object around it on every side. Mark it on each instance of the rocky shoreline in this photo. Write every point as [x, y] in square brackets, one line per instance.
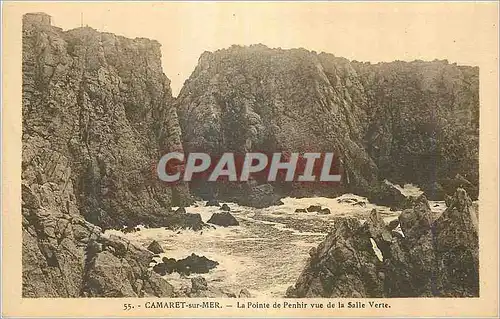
[98, 113]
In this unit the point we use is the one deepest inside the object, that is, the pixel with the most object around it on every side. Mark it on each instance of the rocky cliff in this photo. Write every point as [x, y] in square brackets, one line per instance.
[411, 122]
[424, 123]
[431, 255]
[97, 114]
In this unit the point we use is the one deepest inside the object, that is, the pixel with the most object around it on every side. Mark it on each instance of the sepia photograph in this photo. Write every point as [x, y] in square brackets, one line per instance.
[257, 154]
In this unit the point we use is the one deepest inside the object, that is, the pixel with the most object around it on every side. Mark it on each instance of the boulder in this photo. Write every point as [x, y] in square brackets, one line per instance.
[324, 211]
[386, 195]
[314, 208]
[177, 221]
[195, 264]
[393, 224]
[155, 247]
[169, 264]
[376, 228]
[213, 202]
[108, 272]
[291, 292]
[223, 219]
[300, 210]
[411, 261]
[121, 270]
[225, 207]
[437, 257]
[160, 269]
[155, 286]
[229, 294]
[191, 264]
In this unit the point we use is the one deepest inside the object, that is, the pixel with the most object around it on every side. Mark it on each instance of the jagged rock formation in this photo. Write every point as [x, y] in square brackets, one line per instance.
[407, 122]
[223, 219]
[435, 256]
[423, 122]
[66, 256]
[97, 114]
[344, 265]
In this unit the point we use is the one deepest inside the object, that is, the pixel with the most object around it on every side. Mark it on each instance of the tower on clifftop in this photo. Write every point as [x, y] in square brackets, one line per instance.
[38, 17]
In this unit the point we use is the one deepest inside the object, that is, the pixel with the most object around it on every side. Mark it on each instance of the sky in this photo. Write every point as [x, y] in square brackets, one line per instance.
[380, 32]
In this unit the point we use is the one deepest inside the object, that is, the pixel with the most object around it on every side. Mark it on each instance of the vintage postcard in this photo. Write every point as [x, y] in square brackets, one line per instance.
[250, 159]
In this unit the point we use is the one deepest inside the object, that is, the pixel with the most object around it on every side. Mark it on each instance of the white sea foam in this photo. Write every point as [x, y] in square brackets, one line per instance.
[336, 205]
[407, 189]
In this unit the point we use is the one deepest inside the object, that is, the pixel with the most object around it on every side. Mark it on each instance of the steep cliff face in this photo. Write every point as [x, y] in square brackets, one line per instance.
[97, 114]
[98, 108]
[408, 122]
[423, 122]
